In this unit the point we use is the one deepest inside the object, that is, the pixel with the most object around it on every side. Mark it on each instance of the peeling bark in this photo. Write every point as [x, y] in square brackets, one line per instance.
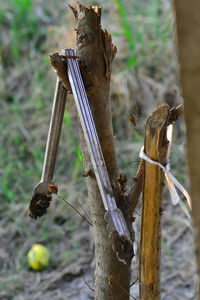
[60, 68]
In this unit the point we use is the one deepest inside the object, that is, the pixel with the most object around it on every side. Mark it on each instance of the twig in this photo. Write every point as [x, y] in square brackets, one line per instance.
[111, 280]
[135, 192]
[175, 113]
[75, 210]
[88, 284]
[137, 213]
[88, 217]
[134, 282]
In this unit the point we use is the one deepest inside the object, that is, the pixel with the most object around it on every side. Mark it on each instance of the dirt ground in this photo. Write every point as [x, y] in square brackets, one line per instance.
[73, 277]
[76, 280]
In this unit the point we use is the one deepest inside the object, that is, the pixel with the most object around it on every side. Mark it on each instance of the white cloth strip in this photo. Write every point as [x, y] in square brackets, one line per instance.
[171, 181]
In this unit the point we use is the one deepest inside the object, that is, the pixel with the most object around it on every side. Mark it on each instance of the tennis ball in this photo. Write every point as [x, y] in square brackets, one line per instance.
[38, 257]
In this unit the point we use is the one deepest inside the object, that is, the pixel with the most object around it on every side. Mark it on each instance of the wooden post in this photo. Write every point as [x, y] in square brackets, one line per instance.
[156, 146]
[188, 35]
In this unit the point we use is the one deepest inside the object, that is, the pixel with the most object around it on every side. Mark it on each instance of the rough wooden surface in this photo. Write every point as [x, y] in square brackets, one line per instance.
[188, 34]
[60, 68]
[156, 148]
[136, 188]
[96, 52]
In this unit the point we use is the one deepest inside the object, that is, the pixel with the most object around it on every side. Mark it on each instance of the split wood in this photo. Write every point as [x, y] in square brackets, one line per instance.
[156, 147]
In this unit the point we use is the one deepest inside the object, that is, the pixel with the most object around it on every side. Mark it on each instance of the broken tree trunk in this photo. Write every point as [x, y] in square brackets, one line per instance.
[156, 146]
[96, 52]
[188, 33]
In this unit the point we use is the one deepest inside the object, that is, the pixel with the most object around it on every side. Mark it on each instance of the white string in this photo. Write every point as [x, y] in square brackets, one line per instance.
[171, 181]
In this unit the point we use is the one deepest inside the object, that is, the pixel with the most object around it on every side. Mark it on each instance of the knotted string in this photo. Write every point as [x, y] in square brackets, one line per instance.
[171, 181]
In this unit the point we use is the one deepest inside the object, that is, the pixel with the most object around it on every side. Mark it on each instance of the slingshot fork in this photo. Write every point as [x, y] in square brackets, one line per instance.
[42, 194]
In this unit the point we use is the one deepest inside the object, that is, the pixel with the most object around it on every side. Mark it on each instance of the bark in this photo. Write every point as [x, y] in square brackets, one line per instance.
[60, 68]
[156, 146]
[136, 189]
[188, 33]
[96, 52]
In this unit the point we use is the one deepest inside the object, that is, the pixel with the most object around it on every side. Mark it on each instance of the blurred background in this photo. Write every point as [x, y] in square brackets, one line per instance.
[145, 74]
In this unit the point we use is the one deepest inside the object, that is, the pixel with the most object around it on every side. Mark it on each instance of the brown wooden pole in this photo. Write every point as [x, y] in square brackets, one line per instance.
[96, 52]
[188, 34]
[156, 148]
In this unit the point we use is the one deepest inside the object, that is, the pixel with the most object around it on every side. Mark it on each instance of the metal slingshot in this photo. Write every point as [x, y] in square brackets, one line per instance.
[42, 195]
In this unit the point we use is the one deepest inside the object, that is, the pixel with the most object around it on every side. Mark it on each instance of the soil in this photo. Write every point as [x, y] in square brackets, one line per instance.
[73, 277]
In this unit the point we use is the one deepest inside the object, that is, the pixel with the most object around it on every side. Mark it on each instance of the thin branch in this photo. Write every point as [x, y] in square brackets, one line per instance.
[175, 113]
[88, 217]
[135, 192]
[134, 282]
[88, 284]
[111, 281]
[76, 210]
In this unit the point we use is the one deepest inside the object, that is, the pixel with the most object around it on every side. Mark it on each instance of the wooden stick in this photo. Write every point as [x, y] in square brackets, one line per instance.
[156, 148]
